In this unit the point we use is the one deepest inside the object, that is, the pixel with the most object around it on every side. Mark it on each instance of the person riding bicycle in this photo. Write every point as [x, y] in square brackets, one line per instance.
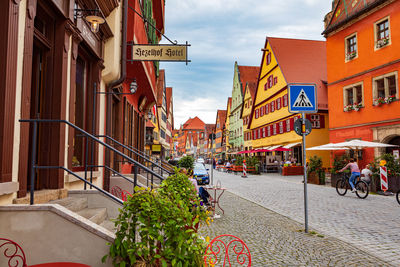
[355, 172]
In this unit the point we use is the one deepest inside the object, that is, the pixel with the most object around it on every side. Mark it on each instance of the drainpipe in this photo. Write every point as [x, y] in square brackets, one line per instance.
[110, 86]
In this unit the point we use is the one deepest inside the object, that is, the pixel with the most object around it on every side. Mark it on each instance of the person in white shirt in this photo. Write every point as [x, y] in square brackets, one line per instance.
[366, 174]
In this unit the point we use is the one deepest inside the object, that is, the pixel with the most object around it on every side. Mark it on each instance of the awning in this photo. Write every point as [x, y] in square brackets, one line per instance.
[292, 145]
[274, 147]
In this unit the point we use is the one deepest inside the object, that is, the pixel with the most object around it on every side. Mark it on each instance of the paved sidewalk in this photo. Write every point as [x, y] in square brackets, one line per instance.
[370, 224]
[275, 240]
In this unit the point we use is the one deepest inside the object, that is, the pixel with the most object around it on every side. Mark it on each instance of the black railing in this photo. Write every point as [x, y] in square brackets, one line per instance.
[138, 153]
[87, 135]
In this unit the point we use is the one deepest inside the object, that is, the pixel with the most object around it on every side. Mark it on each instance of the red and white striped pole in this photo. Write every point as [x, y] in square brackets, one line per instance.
[384, 179]
[244, 169]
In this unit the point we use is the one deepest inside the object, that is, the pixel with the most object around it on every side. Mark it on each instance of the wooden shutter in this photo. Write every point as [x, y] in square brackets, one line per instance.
[322, 121]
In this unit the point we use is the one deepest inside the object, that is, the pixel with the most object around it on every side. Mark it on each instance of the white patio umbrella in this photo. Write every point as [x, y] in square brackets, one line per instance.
[326, 147]
[360, 144]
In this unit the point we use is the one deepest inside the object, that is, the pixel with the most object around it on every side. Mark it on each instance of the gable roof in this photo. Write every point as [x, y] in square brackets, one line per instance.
[160, 87]
[229, 103]
[296, 57]
[248, 74]
[252, 88]
[343, 12]
[209, 128]
[194, 124]
[221, 114]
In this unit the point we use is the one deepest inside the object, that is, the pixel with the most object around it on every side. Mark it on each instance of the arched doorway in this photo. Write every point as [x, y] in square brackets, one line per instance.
[394, 150]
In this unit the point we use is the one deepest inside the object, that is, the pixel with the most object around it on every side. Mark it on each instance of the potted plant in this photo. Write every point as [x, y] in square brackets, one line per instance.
[158, 227]
[378, 101]
[315, 172]
[382, 42]
[390, 99]
[351, 55]
[348, 108]
[338, 163]
[186, 162]
[357, 106]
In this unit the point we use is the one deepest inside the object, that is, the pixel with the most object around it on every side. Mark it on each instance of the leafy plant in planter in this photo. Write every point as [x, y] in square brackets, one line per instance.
[315, 168]
[239, 161]
[339, 162]
[186, 162]
[157, 227]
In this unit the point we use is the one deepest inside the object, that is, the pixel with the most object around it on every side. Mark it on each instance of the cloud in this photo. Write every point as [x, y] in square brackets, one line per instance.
[224, 31]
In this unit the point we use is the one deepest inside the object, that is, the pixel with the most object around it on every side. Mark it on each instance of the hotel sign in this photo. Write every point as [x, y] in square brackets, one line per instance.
[158, 52]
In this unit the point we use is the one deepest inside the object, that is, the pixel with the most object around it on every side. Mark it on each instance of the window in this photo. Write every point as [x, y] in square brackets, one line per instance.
[386, 86]
[263, 132]
[272, 106]
[269, 130]
[266, 108]
[285, 100]
[274, 129]
[278, 103]
[281, 127]
[382, 33]
[315, 121]
[351, 47]
[353, 94]
[288, 125]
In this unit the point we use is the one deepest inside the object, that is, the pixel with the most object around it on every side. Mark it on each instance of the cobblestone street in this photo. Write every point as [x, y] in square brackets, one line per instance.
[370, 225]
[275, 240]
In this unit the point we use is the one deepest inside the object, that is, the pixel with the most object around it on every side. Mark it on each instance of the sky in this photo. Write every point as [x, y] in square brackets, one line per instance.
[221, 32]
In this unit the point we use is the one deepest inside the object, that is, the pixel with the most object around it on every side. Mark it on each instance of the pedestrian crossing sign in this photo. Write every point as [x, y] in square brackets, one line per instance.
[302, 98]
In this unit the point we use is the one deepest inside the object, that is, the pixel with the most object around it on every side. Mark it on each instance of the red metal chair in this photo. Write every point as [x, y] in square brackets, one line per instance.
[117, 191]
[218, 251]
[13, 252]
[125, 195]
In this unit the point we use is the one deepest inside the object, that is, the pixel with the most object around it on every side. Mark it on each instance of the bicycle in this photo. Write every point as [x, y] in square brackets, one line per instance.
[342, 185]
[398, 197]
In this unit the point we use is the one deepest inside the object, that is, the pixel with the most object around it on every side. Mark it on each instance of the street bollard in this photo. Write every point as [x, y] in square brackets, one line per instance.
[244, 169]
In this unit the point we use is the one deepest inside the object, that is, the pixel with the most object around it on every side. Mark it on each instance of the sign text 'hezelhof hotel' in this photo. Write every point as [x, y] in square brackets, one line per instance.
[159, 52]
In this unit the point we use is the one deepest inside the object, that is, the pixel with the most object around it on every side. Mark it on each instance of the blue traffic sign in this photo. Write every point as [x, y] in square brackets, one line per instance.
[302, 98]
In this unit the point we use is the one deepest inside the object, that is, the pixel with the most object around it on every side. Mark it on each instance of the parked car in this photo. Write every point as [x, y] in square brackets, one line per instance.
[200, 160]
[200, 173]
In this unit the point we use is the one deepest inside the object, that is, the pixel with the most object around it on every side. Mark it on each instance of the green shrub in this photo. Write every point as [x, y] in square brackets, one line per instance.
[339, 162]
[186, 162]
[315, 165]
[163, 222]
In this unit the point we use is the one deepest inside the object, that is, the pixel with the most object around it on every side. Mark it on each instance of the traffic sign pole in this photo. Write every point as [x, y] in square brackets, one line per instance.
[305, 174]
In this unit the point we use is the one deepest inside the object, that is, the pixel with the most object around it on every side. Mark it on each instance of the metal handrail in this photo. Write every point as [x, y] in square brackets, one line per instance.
[134, 182]
[80, 178]
[134, 152]
[34, 147]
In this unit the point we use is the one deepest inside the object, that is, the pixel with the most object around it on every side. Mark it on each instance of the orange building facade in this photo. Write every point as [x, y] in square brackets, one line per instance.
[363, 59]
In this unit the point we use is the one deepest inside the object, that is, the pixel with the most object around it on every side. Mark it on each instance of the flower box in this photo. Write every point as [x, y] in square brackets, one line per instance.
[382, 42]
[384, 100]
[351, 55]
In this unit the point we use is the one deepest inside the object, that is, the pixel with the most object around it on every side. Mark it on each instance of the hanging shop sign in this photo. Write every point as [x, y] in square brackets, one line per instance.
[160, 52]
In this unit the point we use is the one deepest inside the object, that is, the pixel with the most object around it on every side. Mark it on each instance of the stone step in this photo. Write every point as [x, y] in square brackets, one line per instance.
[72, 203]
[43, 196]
[96, 215]
[109, 225]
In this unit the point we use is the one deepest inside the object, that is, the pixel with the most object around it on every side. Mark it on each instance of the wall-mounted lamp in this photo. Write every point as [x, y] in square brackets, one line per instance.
[133, 86]
[92, 16]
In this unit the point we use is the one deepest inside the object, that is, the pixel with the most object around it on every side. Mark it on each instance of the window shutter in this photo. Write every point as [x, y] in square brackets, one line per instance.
[284, 126]
[291, 124]
[308, 117]
[322, 121]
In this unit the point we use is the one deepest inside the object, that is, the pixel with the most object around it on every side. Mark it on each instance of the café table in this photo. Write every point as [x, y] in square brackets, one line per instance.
[215, 192]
